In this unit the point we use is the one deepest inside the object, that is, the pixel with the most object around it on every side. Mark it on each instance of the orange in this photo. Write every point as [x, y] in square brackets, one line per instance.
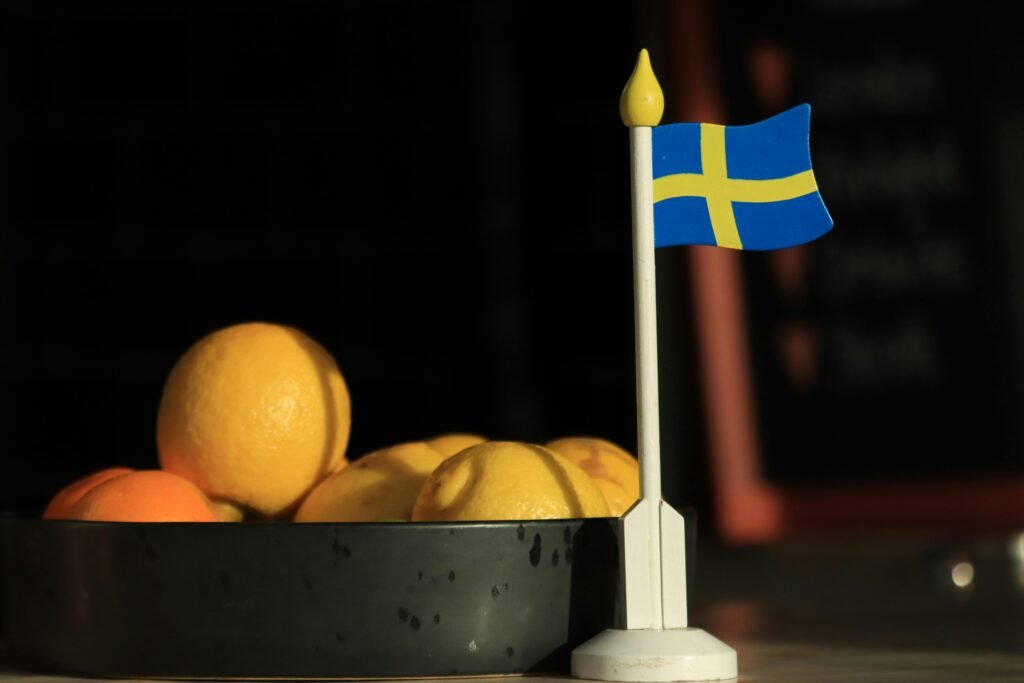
[616, 472]
[70, 494]
[255, 415]
[378, 487]
[503, 480]
[450, 444]
[144, 496]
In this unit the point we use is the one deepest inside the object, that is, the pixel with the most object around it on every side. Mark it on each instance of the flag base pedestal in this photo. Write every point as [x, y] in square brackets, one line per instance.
[682, 654]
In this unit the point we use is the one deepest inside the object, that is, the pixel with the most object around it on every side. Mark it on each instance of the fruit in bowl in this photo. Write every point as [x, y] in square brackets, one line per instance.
[144, 496]
[616, 472]
[381, 486]
[505, 480]
[255, 415]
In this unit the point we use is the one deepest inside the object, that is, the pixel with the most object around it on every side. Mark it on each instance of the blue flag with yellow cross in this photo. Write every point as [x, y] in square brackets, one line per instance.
[742, 187]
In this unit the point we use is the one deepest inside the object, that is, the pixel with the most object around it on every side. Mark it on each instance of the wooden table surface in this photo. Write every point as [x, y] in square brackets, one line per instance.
[795, 663]
[854, 611]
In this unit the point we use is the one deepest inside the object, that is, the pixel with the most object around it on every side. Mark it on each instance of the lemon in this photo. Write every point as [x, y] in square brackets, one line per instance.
[615, 471]
[254, 415]
[227, 512]
[450, 444]
[503, 480]
[381, 486]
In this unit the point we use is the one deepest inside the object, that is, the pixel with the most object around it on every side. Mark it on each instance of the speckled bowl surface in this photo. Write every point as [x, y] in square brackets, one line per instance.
[284, 600]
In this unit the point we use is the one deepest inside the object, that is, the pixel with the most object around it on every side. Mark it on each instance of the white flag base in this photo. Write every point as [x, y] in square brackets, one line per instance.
[680, 654]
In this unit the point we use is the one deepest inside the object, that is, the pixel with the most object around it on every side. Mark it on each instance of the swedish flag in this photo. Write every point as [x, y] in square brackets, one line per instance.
[742, 187]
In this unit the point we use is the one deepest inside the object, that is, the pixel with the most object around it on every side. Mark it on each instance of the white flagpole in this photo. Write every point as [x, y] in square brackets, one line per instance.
[646, 343]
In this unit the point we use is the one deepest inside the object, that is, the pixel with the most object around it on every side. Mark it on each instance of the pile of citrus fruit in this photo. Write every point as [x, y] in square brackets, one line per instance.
[254, 422]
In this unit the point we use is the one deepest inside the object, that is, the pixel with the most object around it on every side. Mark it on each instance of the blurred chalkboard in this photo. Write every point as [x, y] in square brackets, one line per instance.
[890, 348]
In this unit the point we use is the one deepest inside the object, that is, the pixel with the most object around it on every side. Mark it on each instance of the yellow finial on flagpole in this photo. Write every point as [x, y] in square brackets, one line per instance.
[642, 102]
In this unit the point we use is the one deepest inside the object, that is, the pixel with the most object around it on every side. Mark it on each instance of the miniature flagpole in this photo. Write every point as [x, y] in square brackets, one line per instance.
[641, 108]
[653, 642]
[651, 538]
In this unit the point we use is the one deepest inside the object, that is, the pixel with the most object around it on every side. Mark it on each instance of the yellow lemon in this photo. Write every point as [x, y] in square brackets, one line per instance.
[450, 444]
[503, 480]
[255, 415]
[381, 486]
[615, 471]
[227, 512]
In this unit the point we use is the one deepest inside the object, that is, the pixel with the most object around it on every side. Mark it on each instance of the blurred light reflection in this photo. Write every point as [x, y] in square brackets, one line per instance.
[962, 574]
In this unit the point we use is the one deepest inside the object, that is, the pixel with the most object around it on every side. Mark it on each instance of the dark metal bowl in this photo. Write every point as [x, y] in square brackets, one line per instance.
[284, 600]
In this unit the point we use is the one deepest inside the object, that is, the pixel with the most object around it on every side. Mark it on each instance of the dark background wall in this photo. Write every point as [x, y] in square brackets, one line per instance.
[436, 192]
[439, 194]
